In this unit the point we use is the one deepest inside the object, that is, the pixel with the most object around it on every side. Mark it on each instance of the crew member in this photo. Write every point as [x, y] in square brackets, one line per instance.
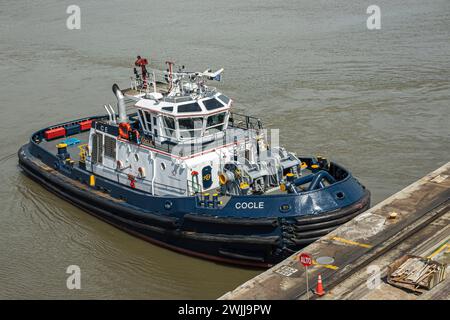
[142, 62]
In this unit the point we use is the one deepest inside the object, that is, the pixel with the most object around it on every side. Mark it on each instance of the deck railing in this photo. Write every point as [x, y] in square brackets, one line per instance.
[242, 121]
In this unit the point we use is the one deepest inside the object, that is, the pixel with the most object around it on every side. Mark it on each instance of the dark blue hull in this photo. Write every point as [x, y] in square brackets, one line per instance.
[230, 234]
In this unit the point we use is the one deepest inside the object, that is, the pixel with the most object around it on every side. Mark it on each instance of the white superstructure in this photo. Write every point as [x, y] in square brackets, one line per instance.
[184, 139]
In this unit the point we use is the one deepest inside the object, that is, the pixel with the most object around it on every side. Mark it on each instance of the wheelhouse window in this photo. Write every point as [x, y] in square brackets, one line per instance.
[190, 107]
[212, 104]
[142, 119]
[169, 126]
[148, 117]
[224, 99]
[148, 120]
[190, 127]
[215, 122]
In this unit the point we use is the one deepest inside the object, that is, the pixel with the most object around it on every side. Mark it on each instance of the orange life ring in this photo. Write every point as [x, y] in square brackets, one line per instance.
[124, 128]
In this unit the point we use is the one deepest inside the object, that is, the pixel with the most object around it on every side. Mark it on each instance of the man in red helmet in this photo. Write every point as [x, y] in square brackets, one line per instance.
[142, 62]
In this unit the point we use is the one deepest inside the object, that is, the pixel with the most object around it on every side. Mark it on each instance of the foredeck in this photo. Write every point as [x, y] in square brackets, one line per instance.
[73, 149]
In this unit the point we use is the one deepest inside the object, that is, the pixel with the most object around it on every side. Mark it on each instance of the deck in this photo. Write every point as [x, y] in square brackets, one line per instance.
[73, 150]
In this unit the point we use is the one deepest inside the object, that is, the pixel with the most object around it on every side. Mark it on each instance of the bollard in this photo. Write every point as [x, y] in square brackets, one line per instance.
[206, 200]
[92, 180]
[215, 201]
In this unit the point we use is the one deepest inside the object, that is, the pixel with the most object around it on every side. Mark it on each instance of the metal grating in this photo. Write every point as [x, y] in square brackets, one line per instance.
[110, 147]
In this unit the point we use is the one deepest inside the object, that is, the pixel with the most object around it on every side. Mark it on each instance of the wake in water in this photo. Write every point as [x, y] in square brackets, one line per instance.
[7, 157]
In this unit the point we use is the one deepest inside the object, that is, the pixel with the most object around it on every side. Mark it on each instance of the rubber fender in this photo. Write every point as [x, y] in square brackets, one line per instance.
[232, 221]
[314, 233]
[301, 242]
[330, 223]
[259, 240]
[362, 203]
[240, 256]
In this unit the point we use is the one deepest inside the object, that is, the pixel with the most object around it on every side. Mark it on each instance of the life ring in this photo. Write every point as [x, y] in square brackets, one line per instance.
[124, 128]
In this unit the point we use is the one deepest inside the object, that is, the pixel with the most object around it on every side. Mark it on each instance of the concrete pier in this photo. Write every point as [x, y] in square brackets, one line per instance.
[412, 221]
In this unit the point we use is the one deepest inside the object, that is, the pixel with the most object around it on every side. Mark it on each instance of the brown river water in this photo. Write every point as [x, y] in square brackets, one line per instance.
[376, 101]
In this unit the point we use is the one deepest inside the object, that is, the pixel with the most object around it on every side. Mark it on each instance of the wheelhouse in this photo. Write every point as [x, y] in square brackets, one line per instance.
[184, 120]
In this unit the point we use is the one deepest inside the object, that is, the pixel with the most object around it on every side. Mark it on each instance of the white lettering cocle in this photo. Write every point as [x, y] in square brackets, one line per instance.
[249, 205]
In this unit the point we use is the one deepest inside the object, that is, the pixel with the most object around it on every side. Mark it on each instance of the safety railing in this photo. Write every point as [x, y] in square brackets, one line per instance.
[194, 187]
[164, 82]
[242, 121]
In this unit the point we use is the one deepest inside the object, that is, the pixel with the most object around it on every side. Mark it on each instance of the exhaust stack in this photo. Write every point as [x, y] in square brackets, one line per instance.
[120, 104]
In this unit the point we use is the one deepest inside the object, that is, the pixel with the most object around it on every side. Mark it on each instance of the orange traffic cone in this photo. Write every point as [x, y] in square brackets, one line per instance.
[319, 289]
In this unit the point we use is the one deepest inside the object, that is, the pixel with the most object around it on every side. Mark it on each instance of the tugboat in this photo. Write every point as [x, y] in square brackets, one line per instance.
[176, 166]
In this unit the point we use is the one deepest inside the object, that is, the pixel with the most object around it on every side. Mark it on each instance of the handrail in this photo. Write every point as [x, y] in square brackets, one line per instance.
[250, 121]
[137, 83]
[191, 190]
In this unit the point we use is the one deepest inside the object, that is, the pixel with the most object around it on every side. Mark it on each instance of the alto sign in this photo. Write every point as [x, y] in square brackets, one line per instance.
[249, 205]
[305, 259]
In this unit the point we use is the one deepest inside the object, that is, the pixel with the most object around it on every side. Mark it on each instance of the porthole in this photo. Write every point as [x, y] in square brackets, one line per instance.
[340, 195]
[285, 208]
[136, 157]
[163, 166]
[168, 205]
